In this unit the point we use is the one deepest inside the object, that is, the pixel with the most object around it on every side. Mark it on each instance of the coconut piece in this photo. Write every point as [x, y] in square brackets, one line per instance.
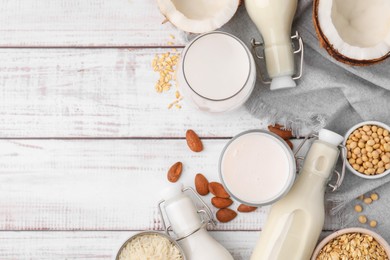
[198, 16]
[355, 32]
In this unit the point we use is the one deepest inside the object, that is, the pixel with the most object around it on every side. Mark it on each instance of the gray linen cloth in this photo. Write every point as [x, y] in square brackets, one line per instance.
[331, 95]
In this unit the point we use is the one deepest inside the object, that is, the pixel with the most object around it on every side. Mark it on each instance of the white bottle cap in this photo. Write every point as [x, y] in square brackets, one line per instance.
[282, 82]
[174, 190]
[330, 137]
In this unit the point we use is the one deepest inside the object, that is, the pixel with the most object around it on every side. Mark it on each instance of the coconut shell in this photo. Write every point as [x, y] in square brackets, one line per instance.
[194, 27]
[328, 46]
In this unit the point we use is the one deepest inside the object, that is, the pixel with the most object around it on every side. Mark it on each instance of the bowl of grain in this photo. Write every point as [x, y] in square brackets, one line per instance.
[352, 243]
[150, 245]
[368, 149]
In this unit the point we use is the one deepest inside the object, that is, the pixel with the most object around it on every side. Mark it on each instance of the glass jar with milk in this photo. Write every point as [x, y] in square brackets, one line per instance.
[216, 72]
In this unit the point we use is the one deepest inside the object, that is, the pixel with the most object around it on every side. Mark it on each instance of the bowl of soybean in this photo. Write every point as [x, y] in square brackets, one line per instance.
[368, 149]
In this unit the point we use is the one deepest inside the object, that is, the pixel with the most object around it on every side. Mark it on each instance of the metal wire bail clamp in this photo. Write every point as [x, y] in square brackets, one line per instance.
[343, 151]
[263, 72]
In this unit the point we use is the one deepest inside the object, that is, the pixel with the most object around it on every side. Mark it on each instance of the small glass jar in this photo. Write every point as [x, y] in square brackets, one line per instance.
[257, 168]
[216, 72]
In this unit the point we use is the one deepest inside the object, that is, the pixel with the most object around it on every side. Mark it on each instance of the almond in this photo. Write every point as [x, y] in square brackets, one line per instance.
[201, 184]
[289, 143]
[221, 203]
[174, 172]
[193, 141]
[246, 208]
[226, 215]
[277, 129]
[218, 190]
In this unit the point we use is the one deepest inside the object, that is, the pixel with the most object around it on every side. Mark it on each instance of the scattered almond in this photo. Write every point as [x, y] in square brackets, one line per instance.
[174, 172]
[218, 190]
[277, 129]
[289, 143]
[193, 141]
[226, 215]
[201, 184]
[246, 208]
[221, 203]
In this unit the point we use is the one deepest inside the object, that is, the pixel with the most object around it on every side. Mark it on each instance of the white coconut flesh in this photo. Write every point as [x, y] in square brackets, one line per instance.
[198, 16]
[358, 29]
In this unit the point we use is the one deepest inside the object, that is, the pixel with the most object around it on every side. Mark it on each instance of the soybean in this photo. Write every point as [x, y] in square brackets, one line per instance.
[369, 149]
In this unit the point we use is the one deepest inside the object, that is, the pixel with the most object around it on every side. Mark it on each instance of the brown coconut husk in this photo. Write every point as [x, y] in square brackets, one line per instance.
[328, 46]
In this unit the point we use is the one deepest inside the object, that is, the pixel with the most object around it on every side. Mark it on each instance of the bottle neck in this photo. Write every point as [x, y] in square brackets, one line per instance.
[182, 215]
[318, 166]
[280, 60]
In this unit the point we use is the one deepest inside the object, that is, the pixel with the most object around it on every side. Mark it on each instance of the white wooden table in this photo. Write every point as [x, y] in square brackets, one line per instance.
[85, 139]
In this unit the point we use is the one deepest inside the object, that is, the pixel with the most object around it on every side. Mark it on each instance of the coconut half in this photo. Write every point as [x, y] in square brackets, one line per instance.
[198, 16]
[355, 32]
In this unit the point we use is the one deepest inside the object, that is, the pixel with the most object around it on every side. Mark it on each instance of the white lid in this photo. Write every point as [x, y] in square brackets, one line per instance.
[174, 190]
[282, 82]
[330, 137]
[216, 65]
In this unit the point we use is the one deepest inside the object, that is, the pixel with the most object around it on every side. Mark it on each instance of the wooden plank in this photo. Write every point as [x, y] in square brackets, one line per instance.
[96, 245]
[97, 93]
[88, 23]
[99, 184]
[102, 245]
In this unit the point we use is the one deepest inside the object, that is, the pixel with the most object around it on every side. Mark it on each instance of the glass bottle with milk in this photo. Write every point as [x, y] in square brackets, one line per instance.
[274, 18]
[295, 222]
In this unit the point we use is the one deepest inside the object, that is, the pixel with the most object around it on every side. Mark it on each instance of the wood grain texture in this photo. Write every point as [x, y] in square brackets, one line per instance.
[97, 245]
[99, 184]
[100, 245]
[97, 93]
[106, 188]
[88, 23]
